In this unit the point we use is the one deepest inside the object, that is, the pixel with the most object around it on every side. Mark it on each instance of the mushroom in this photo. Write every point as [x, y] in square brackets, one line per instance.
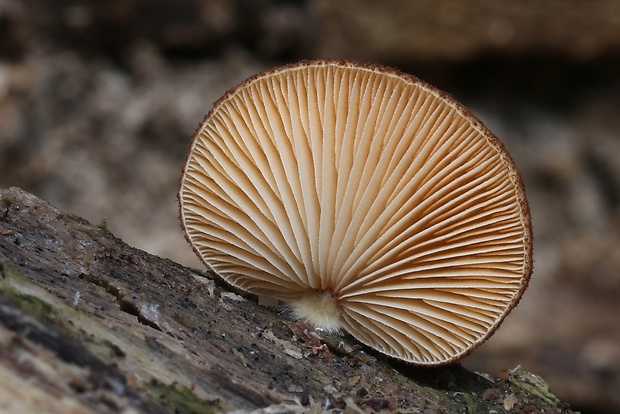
[367, 200]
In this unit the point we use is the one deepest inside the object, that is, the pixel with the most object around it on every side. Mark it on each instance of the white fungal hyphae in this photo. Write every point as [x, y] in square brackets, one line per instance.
[318, 308]
[368, 200]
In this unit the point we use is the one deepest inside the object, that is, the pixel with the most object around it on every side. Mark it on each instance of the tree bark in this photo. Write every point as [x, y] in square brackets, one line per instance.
[89, 324]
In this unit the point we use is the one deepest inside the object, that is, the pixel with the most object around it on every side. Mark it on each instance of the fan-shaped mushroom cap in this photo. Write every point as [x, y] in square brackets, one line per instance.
[365, 198]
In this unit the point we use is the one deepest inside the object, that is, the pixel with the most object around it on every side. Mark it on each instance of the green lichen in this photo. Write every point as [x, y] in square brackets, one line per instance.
[176, 398]
[475, 405]
[32, 304]
[530, 384]
[8, 271]
[29, 304]
[18, 288]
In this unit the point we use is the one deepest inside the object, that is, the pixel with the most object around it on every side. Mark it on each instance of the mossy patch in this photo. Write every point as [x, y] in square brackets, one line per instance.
[474, 405]
[8, 271]
[176, 398]
[31, 305]
[527, 385]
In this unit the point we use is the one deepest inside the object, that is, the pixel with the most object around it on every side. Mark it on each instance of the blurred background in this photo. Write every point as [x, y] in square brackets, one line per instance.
[99, 99]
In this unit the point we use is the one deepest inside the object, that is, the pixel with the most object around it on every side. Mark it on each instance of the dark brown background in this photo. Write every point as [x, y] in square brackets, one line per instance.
[98, 101]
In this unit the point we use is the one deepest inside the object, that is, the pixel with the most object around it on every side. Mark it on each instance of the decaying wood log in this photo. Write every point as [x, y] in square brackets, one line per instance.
[89, 324]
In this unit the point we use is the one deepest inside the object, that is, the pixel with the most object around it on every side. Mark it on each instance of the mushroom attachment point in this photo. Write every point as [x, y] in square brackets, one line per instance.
[367, 200]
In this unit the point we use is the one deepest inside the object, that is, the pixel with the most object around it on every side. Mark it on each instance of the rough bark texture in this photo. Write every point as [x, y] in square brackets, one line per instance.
[89, 324]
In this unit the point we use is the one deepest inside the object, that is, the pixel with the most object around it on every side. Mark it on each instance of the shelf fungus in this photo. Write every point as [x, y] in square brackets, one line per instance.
[367, 200]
